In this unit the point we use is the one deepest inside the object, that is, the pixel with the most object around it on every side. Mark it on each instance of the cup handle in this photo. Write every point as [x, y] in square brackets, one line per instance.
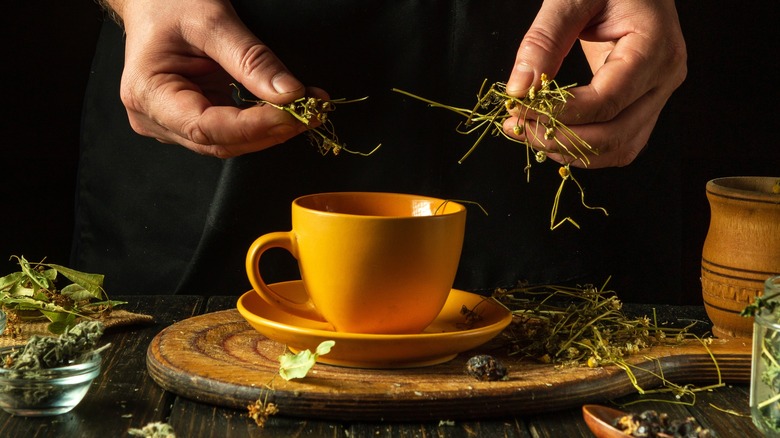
[263, 243]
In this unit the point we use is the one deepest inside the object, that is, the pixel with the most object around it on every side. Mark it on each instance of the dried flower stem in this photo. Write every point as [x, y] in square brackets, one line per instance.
[310, 110]
[539, 111]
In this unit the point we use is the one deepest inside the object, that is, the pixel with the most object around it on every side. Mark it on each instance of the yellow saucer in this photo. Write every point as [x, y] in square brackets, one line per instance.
[440, 342]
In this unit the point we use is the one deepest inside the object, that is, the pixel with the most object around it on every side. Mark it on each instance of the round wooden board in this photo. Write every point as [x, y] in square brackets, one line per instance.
[217, 358]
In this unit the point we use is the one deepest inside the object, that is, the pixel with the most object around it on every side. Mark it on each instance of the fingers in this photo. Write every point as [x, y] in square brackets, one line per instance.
[544, 46]
[220, 131]
[226, 132]
[248, 60]
[253, 64]
[637, 53]
[177, 76]
[614, 143]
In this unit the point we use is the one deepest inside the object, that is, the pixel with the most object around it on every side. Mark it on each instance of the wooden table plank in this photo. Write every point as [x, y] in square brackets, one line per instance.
[125, 396]
[216, 422]
[228, 363]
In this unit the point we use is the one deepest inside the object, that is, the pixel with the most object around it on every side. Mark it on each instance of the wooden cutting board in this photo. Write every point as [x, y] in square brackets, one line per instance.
[217, 358]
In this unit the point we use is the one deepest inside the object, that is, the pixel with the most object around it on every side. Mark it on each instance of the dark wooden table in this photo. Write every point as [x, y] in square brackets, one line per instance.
[125, 396]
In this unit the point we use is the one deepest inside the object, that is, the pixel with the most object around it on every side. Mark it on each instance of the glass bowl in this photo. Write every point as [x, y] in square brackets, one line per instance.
[51, 391]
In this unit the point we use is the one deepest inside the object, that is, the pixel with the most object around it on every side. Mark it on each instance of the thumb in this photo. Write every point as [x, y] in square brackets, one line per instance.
[547, 42]
[253, 64]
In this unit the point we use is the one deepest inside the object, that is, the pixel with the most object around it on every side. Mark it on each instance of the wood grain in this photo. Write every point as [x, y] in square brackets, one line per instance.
[217, 358]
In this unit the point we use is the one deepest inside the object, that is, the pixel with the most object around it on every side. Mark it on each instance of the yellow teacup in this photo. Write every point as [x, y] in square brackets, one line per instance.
[370, 262]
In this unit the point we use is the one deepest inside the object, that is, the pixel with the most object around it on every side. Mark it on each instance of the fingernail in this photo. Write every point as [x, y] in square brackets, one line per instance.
[521, 80]
[284, 83]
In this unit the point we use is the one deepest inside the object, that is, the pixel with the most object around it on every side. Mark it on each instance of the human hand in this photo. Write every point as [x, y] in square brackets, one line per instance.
[637, 54]
[180, 59]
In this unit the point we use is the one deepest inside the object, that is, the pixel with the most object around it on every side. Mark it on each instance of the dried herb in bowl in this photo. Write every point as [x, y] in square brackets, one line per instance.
[50, 376]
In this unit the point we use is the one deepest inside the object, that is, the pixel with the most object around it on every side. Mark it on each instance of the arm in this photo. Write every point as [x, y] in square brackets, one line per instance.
[637, 54]
[180, 58]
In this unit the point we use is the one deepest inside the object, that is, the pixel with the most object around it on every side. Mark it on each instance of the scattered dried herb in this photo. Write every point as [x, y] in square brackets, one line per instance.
[291, 366]
[261, 410]
[572, 326]
[33, 292]
[585, 326]
[539, 111]
[310, 110]
[154, 430]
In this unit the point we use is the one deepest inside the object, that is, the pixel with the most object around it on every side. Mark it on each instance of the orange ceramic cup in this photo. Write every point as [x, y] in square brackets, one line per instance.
[370, 262]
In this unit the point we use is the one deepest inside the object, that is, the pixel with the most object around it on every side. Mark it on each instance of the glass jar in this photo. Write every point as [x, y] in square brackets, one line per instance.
[765, 370]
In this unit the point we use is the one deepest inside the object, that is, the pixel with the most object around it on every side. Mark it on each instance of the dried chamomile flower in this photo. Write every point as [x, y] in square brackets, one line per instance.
[538, 128]
[309, 110]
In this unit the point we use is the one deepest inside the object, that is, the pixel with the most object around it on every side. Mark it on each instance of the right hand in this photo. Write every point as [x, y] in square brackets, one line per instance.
[181, 57]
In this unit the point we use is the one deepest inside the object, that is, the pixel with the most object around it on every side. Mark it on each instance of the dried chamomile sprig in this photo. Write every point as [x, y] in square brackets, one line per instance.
[544, 106]
[291, 366]
[585, 326]
[582, 325]
[309, 110]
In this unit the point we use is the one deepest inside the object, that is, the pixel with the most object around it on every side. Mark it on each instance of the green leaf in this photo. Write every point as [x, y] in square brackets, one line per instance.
[50, 274]
[58, 327]
[54, 316]
[91, 282]
[296, 366]
[20, 291]
[10, 280]
[31, 290]
[36, 277]
[324, 347]
[76, 292]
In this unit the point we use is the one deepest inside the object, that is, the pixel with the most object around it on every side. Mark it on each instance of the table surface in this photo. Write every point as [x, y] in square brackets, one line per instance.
[125, 396]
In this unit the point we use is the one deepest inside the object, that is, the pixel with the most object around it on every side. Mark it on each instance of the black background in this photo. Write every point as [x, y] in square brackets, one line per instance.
[719, 123]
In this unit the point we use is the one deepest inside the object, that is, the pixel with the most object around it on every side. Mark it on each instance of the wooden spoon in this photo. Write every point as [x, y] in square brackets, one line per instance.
[600, 419]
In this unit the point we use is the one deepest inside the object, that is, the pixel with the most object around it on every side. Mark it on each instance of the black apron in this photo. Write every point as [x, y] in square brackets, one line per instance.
[157, 218]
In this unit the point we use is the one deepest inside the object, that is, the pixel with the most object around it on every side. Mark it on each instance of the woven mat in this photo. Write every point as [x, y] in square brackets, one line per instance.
[117, 318]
